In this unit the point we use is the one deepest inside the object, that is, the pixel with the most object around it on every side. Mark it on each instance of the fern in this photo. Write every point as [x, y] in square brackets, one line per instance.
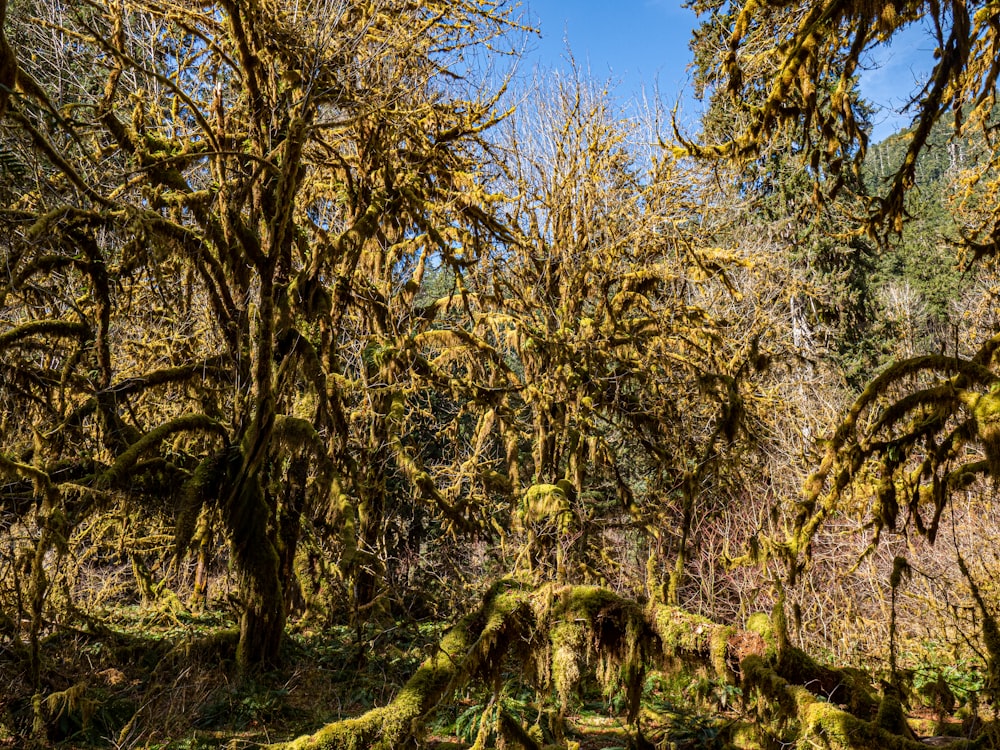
[11, 164]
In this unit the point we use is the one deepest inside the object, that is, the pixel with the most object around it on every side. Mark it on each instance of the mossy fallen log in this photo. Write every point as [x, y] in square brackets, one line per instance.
[551, 632]
[693, 639]
[557, 635]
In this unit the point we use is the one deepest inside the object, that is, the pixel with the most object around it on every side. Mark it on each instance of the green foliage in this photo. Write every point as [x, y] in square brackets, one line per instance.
[248, 705]
[943, 679]
[682, 728]
[480, 722]
[11, 165]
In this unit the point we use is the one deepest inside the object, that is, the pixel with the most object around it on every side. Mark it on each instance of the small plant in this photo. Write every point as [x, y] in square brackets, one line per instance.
[945, 681]
[683, 728]
[252, 707]
[479, 722]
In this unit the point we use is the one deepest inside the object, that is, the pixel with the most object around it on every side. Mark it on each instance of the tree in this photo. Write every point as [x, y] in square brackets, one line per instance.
[208, 202]
[800, 61]
[639, 321]
[926, 427]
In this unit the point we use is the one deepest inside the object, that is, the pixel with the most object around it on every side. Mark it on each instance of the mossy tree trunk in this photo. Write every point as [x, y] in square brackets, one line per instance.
[251, 515]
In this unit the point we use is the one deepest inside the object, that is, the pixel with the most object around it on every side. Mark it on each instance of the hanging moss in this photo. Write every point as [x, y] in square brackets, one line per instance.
[751, 736]
[202, 486]
[548, 504]
[825, 725]
[760, 623]
[152, 439]
[987, 414]
[568, 651]
[547, 515]
[846, 686]
[815, 721]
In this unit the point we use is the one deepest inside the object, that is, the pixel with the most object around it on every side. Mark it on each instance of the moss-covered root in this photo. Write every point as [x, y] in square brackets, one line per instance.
[815, 722]
[471, 646]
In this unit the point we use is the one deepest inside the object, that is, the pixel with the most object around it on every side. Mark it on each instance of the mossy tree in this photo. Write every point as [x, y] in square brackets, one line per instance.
[639, 324]
[834, 300]
[924, 428]
[206, 207]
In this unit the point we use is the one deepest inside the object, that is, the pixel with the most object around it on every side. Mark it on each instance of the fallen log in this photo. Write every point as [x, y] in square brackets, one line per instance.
[555, 635]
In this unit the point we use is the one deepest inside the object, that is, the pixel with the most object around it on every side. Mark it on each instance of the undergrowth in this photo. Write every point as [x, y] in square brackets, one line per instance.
[133, 679]
[137, 678]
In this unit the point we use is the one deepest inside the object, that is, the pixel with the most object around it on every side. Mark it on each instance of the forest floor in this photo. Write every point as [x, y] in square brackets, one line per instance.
[136, 678]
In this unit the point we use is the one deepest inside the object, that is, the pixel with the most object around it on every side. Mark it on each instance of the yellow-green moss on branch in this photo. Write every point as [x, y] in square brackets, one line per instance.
[695, 639]
[184, 423]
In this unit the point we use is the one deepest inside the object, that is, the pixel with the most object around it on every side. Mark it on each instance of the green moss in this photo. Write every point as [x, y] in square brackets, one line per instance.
[549, 505]
[749, 736]
[568, 650]
[845, 686]
[475, 646]
[585, 602]
[694, 638]
[890, 716]
[559, 629]
[827, 726]
[760, 623]
[817, 722]
[46, 328]
[774, 689]
[152, 439]
[987, 415]
[719, 652]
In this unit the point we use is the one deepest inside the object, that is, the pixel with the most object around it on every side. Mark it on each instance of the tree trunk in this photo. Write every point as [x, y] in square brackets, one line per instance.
[256, 558]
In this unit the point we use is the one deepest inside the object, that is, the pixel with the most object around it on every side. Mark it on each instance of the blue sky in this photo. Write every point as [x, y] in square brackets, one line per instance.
[641, 45]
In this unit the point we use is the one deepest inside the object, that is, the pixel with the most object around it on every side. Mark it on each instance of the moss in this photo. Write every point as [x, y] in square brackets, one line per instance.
[846, 686]
[549, 505]
[760, 623]
[749, 736]
[719, 652]
[890, 716]
[47, 328]
[693, 638]
[184, 423]
[203, 485]
[816, 722]
[618, 633]
[559, 629]
[987, 415]
[568, 650]
[585, 602]
[513, 736]
[827, 726]
[774, 689]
